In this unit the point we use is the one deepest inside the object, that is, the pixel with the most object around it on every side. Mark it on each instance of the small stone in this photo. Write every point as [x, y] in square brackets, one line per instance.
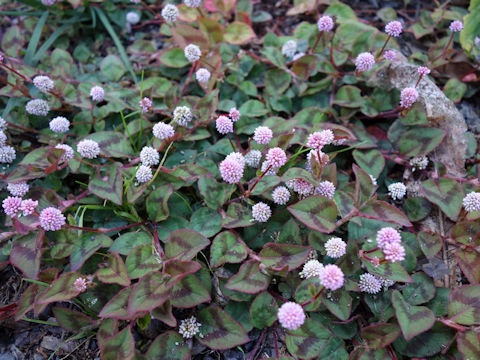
[50, 343]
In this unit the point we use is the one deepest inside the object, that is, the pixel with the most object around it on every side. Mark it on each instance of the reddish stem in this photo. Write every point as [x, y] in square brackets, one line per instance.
[249, 191]
[383, 48]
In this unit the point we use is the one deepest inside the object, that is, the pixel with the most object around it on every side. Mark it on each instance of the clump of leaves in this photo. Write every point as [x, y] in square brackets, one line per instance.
[218, 186]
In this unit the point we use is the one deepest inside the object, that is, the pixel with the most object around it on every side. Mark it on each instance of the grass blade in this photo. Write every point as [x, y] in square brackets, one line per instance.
[32, 45]
[121, 50]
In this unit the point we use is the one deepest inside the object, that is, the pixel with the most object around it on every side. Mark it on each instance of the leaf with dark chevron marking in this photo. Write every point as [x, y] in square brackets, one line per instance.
[115, 273]
[316, 212]
[249, 279]
[446, 194]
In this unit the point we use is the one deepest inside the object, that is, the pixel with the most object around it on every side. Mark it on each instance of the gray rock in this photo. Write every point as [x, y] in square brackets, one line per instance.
[50, 343]
[37, 357]
[13, 353]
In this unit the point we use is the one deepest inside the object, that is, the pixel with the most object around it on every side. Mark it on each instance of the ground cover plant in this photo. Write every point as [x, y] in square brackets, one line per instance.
[231, 179]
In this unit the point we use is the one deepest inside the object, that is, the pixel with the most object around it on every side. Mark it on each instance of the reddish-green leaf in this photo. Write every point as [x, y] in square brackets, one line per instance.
[184, 244]
[420, 141]
[227, 247]
[250, 279]
[371, 161]
[189, 292]
[468, 343]
[237, 216]
[157, 207]
[316, 212]
[119, 346]
[304, 66]
[115, 273]
[26, 254]
[420, 290]
[263, 311]
[383, 211]
[364, 188]
[469, 262]
[413, 320]
[61, 289]
[141, 261]
[339, 304]
[380, 335]
[72, 320]
[169, 345]
[108, 185]
[150, 292]
[430, 244]
[388, 270]
[446, 194]
[86, 247]
[238, 33]
[117, 307]
[278, 256]
[112, 143]
[219, 331]
[464, 305]
[164, 314]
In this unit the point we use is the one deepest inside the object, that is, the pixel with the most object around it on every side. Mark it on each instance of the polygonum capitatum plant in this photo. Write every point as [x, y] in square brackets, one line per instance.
[221, 185]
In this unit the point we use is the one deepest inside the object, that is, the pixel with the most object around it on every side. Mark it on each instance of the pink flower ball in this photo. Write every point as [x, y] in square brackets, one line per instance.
[335, 247]
[146, 104]
[68, 154]
[390, 55]
[394, 28]
[332, 277]
[325, 23]
[88, 149]
[163, 131]
[28, 206]
[224, 125]
[408, 96]
[11, 205]
[319, 139]
[301, 186]
[263, 135]
[261, 212]
[388, 235]
[51, 219]
[231, 170]
[364, 61]
[18, 189]
[394, 252]
[456, 26]
[234, 114]
[291, 315]
[276, 157]
[97, 93]
[80, 284]
[423, 70]
[280, 195]
[325, 188]
[471, 202]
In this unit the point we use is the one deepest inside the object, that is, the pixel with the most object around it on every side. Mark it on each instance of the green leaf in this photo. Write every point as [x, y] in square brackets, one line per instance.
[464, 305]
[86, 247]
[189, 292]
[227, 247]
[126, 242]
[455, 89]
[469, 262]
[142, 260]
[72, 320]
[238, 33]
[383, 211]
[279, 256]
[219, 331]
[169, 345]
[157, 203]
[364, 188]
[311, 340]
[119, 346]
[304, 66]
[214, 193]
[173, 57]
[420, 291]
[263, 311]
[413, 320]
[108, 186]
[150, 292]
[12, 41]
[348, 96]
[316, 212]
[392, 271]
[206, 221]
[112, 67]
[253, 108]
[416, 208]
[164, 314]
[420, 141]
[468, 344]
[237, 216]
[250, 279]
[184, 244]
[112, 143]
[380, 335]
[32, 45]
[117, 307]
[275, 56]
[446, 194]
[26, 254]
[61, 289]
[471, 29]
[430, 244]
[277, 81]
[372, 161]
[339, 303]
[115, 273]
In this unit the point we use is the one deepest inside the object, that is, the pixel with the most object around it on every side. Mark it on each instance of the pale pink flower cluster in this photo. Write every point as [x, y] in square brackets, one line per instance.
[224, 125]
[325, 23]
[59, 124]
[192, 53]
[80, 284]
[163, 131]
[68, 154]
[364, 61]
[335, 247]
[97, 93]
[370, 284]
[276, 157]
[394, 252]
[326, 189]
[388, 235]
[51, 219]
[28, 206]
[312, 268]
[471, 202]
[231, 169]
[11, 205]
[394, 28]
[234, 114]
[280, 195]
[319, 139]
[291, 315]
[301, 186]
[145, 104]
[331, 277]
[423, 70]
[202, 75]
[456, 26]
[18, 189]
[262, 135]
[170, 13]
[408, 97]
[390, 55]
[88, 149]
[261, 212]
[144, 174]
